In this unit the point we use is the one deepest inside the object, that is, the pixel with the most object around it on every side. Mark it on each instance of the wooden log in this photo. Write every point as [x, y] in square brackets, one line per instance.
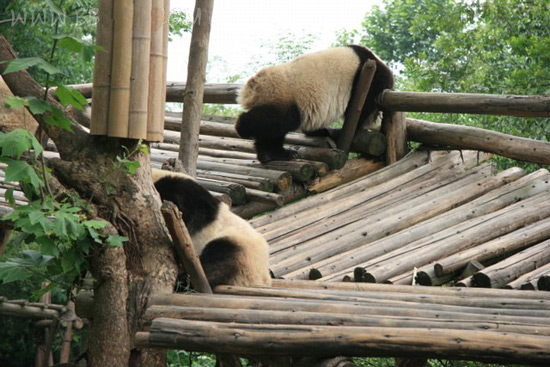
[335, 158]
[338, 213]
[254, 207]
[184, 247]
[193, 97]
[102, 69]
[12, 309]
[386, 288]
[225, 154]
[382, 175]
[369, 142]
[543, 284]
[526, 280]
[394, 127]
[356, 104]
[464, 137]
[352, 170]
[236, 192]
[488, 203]
[121, 68]
[282, 179]
[325, 341]
[256, 183]
[213, 93]
[139, 79]
[467, 235]
[332, 203]
[387, 221]
[487, 104]
[266, 197]
[247, 316]
[503, 272]
[405, 300]
[508, 243]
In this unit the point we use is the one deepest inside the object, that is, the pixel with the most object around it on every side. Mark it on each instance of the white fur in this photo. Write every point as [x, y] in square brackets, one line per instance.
[319, 83]
[253, 260]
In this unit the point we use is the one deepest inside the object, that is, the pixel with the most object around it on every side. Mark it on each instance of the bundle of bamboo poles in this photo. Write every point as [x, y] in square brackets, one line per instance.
[326, 319]
[133, 35]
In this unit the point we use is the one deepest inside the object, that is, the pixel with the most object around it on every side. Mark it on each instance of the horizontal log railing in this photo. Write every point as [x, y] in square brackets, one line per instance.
[491, 104]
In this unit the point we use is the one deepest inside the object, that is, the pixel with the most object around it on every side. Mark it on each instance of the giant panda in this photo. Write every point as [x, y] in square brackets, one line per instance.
[230, 250]
[309, 93]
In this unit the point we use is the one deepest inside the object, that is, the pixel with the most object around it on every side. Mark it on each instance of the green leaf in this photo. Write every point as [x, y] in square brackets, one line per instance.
[21, 171]
[9, 196]
[11, 272]
[116, 241]
[66, 225]
[58, 118]
[15, 102]
[38, 106]
[27, 62]
[70, 96]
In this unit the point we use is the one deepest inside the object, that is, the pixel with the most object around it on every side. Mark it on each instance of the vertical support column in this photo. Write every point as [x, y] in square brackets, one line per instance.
[395, 128]
[193, 96]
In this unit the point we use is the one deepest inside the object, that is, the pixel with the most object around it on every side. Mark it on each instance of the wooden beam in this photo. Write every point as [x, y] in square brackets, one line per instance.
[356, 104]
[464, 137]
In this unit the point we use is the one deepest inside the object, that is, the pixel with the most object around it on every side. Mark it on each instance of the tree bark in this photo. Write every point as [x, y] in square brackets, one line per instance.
[126, 276]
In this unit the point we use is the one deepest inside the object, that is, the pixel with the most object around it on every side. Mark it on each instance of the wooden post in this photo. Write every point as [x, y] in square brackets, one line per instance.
[184, 247]
[193, 97]
[395, 129]
[356, 105]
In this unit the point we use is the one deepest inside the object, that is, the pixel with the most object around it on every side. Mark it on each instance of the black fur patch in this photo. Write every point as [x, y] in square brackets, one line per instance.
[383, 79]
[268, 125]
[198, 207]
[218, 260]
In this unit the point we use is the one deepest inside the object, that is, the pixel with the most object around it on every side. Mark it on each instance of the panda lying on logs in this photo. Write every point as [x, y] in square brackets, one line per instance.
[230, 250]
[309, 93]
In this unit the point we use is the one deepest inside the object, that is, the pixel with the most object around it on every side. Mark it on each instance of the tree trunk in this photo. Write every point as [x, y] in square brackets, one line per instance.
[125, 277]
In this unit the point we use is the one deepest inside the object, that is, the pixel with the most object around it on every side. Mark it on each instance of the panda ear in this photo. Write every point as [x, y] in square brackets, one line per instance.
[243, 125]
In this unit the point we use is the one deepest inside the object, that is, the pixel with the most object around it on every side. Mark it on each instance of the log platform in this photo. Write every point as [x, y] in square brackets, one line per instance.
[301, 318]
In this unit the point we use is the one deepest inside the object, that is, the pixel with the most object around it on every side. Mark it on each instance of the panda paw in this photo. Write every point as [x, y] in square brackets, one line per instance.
[281, 155]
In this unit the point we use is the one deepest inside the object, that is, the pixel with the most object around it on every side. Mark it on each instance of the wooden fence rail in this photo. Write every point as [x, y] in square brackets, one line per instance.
[487, 104]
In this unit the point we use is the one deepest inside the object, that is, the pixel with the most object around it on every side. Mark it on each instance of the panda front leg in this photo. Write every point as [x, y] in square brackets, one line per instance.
[271, 149]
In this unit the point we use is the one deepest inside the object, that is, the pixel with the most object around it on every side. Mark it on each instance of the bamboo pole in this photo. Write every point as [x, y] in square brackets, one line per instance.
[102, 69]
[139, 79]
[121, 68]
[464, 137]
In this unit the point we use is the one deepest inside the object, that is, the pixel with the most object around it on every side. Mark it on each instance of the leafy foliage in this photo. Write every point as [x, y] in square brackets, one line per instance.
[495, 46]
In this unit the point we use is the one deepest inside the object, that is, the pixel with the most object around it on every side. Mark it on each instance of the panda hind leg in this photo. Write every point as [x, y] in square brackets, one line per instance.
[219, 260]
[271, 149]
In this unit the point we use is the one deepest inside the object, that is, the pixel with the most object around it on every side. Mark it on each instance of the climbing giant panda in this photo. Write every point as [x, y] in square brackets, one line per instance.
[230, 250]
[310, 93]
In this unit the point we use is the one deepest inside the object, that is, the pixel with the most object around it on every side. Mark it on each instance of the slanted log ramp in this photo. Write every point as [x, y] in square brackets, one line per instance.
[434, 217]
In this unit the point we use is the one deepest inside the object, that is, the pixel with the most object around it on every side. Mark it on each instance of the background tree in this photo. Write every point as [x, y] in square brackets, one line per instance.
[495, 46]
